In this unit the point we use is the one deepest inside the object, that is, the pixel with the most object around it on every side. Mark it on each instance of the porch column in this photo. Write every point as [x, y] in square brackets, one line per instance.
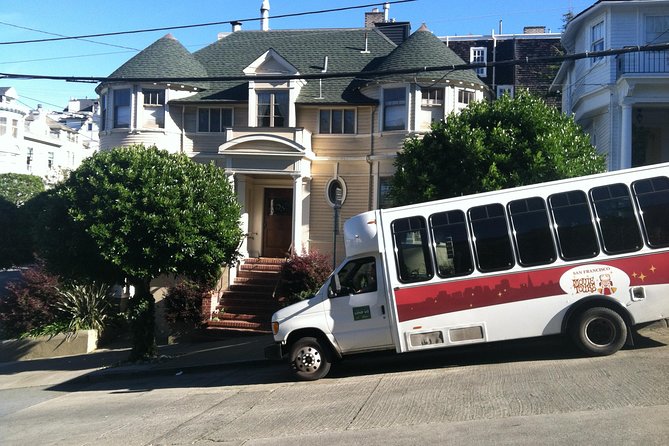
[238, 183]
[297, 213]
[625, 158]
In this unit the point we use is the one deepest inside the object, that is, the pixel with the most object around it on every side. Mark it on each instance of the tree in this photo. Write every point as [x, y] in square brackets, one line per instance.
[18, 188]
[15, 191]
[135, 213]
[493, 145]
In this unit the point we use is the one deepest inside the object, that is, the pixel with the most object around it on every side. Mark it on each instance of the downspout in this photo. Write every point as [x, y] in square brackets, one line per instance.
[370, 161]
[494, 59]
[183, 129]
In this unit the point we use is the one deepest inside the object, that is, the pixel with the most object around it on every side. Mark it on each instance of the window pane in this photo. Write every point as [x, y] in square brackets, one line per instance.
[215, 120]
[451, 244]
[491, 235]
[349, 121]
[394, 109]
[203, 119]
[411, 249]
[280, 109]
[337, 121]
[226, 117]
[575, 233]
[122, 108]
[324, 121]
[532, 231]
[652, 197]
[616, 219]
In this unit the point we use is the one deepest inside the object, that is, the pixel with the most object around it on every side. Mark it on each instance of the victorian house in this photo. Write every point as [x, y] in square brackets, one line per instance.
[306, 123]
[621, 100]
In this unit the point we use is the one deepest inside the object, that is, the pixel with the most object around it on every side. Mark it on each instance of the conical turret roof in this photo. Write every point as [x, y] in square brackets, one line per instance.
[424, 49]
[164, 58]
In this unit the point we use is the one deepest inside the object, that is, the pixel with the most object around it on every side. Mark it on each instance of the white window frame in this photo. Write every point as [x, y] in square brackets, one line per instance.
[404, 104]
[652, 36]
[273, 103]
[470, 95]
[116, 124]
[479, 54]
[432, 97]
[153, 102]
[3, 126]
[502, 89]
[597, 39]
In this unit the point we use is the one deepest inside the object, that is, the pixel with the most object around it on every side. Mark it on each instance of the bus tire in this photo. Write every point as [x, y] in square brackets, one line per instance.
[599, 331]
[310, 359]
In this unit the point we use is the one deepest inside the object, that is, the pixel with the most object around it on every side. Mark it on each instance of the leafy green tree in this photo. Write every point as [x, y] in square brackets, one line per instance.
[493, 145]
[18, 188]
[135, 213]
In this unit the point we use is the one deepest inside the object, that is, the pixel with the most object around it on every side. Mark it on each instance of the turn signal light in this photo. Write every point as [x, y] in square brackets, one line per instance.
[275, 327]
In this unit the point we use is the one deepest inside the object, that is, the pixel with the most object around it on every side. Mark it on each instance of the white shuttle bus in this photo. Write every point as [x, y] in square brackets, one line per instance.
[587, 257]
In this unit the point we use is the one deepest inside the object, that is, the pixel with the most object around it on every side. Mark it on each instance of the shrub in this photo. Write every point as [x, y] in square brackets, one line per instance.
[303, 275]
[29, 303]
[85, 306]
[183, 305]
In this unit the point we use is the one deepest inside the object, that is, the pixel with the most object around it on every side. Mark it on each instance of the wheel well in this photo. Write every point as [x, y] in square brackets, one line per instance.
[596, 301]
[314, 333]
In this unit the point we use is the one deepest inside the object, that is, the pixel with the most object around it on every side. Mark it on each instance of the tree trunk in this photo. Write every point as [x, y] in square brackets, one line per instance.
[142, 321]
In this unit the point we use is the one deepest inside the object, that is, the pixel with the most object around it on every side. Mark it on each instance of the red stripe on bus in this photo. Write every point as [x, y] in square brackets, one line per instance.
[465, 294]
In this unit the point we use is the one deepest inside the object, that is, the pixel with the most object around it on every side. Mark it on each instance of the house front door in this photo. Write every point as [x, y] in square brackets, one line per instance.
[277, 222]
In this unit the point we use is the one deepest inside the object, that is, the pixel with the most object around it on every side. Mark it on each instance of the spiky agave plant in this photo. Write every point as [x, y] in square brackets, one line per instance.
[86, 306]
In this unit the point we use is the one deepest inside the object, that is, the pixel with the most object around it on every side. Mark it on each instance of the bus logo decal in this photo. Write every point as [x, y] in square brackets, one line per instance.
[594, 279]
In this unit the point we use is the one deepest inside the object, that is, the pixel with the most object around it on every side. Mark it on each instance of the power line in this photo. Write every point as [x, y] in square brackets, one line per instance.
[167, 28]
[348, 74]
[61, 36]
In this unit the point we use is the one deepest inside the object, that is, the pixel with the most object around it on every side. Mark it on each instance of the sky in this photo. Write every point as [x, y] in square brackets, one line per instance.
[100, 56]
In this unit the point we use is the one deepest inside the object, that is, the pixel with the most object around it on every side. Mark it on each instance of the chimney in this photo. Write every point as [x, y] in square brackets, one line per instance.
[534, 30]
[373, 17]
[386, 10]
[236, 26]
[264, 13]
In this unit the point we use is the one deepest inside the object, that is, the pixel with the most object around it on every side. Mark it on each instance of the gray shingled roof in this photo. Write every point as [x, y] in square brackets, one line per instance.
[424, 49]
[166, 57]
[306, 51]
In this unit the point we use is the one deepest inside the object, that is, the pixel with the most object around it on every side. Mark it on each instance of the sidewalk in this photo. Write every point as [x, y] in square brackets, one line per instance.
[110, 363]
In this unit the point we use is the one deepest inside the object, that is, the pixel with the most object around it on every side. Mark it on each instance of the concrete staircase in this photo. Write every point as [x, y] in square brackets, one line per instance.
[248, 304]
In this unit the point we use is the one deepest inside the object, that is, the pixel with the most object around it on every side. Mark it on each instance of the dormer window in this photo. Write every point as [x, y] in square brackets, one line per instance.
[273, 108]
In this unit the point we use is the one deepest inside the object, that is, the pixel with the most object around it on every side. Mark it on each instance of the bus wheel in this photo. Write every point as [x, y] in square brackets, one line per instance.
[599, 331]
[310, 360]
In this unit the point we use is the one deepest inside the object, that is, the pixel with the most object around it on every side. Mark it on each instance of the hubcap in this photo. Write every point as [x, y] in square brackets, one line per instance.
[601, 331]
[308, 360]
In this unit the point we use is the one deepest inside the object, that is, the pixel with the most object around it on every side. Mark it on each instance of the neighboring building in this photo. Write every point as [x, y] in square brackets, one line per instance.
[534, 43]
[621, 101]
[12, 117]
[294, 148]
[83, 115]
[34, 142]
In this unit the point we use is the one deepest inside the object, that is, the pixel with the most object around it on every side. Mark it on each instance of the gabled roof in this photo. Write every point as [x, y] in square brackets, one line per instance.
[424, 49]
[166, 57]
[306, 50]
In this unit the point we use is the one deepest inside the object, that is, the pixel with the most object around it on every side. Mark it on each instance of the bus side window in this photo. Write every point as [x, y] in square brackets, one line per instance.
[491, 238]
[532, 231]
[451, 244]
[652, 198]
[573, 225]
[616, 220]
[411, 249]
